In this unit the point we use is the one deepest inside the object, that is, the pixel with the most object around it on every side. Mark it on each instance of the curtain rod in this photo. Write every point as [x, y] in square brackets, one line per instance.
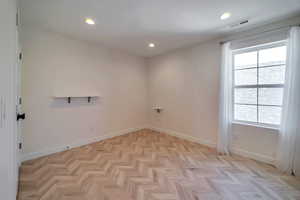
[251, 35]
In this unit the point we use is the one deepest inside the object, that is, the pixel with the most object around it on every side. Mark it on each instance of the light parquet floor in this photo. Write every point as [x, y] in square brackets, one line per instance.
[147, 165]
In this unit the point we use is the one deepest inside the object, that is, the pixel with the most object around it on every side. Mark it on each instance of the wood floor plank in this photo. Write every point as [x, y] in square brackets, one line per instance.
[147, 165]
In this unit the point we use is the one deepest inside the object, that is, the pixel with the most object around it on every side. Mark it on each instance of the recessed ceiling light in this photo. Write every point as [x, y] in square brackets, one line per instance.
[151, 45]
[89, 21]
[225, 16]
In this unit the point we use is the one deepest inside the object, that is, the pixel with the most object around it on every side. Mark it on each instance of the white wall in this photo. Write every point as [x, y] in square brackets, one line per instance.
[53, 63]
[255, 142]
[8, 55]
[185, 83]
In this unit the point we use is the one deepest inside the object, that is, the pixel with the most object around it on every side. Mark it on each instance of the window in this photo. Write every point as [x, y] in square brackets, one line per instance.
[259, 76]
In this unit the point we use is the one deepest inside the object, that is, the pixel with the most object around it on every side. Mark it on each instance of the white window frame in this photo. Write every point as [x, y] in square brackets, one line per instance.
[246, 50]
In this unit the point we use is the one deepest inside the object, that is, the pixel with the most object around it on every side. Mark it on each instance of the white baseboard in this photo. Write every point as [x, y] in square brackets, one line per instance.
[185, 136]
[33, 155]
[252, 155]
[238, 151]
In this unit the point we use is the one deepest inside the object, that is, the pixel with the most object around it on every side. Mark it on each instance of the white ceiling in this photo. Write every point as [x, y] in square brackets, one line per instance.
[131, 24]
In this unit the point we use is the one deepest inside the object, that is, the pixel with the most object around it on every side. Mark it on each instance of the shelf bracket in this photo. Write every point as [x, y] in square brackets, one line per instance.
[158, 109]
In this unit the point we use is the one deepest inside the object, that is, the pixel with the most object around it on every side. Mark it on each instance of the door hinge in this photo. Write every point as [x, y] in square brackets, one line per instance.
[20, 145]
[20, 101]
[17, 19]
[20, 56]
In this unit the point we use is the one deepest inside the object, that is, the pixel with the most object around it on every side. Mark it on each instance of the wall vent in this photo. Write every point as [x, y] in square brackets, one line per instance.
[241, 23]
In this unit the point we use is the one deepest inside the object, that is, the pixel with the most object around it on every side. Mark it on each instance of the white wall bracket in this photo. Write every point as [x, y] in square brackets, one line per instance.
[158, 109]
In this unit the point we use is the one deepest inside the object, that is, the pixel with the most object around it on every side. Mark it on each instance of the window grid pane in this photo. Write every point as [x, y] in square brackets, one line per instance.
[270, 96]
[245, 60]
[254, 102]
[272, 56]
[245, 113]
[271, 75]
[269, 114]
[246, 77]
[245, 95]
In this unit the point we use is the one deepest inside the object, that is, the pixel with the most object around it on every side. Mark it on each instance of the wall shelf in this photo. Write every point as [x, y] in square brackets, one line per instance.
[69, 97]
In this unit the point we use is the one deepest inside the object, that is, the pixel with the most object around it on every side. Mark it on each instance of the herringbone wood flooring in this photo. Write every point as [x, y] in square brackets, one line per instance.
[147, 165]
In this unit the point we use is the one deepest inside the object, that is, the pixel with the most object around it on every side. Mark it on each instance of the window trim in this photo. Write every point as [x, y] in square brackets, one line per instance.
[260, 47]
[255, 124]
[246, 50]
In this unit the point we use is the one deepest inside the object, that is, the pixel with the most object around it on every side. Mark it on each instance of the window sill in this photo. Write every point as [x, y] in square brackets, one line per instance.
[265, 126]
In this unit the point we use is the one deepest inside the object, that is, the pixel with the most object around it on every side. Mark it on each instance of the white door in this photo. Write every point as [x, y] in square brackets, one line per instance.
[8, 136]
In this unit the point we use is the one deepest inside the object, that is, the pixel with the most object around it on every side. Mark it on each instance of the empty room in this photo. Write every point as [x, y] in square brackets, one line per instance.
[150, 100]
